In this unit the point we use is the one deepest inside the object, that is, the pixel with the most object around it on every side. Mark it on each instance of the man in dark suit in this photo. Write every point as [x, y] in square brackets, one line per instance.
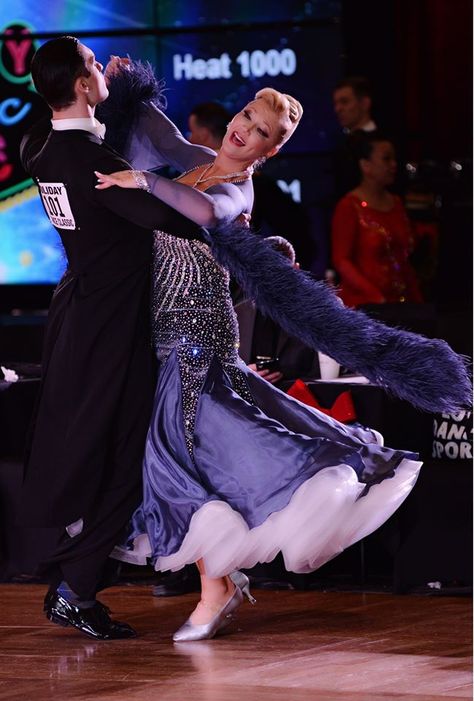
[83, 465]
[352, 99]
[260, 337]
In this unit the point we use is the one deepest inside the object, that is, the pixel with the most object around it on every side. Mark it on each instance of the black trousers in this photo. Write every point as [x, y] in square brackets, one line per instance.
[81, 560]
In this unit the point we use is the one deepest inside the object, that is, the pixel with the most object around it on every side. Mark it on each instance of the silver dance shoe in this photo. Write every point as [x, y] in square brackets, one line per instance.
[242, 581]
[189, 631]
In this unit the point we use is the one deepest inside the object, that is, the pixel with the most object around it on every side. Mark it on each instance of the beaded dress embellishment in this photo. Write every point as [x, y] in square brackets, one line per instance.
[192, 312]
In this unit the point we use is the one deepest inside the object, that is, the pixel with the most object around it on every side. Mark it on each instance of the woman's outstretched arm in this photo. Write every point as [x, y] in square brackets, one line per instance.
[219, 204]
[136, 124]
[166, 143]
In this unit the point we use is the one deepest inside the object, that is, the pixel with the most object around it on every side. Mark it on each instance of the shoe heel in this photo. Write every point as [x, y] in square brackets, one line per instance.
[246, 591]
[242, 581]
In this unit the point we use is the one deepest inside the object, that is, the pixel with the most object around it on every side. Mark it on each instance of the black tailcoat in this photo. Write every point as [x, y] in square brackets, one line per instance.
[98, 379]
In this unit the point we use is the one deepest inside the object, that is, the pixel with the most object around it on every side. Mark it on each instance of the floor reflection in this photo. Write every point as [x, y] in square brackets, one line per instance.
[74, 662]
[203, 655]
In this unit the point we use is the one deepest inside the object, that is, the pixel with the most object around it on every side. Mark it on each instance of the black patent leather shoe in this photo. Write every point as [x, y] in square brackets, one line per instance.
[177, 583]
[94, 622]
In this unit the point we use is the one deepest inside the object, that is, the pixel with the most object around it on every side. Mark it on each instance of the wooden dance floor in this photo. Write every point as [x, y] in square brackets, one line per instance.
[291, 646]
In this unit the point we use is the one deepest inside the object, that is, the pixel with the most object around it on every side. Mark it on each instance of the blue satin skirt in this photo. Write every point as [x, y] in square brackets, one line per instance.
[269, 476]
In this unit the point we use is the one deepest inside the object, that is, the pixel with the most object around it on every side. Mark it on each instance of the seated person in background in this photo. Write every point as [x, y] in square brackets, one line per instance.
[261, 338]
[371, 234]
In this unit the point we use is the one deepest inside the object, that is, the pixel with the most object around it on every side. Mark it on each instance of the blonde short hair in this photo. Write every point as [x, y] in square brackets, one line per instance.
[283, 105]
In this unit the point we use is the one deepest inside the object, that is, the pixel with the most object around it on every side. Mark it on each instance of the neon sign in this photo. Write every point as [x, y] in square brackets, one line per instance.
[20, 105]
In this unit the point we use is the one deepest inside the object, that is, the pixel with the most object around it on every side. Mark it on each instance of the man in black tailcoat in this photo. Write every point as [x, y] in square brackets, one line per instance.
[83, 465]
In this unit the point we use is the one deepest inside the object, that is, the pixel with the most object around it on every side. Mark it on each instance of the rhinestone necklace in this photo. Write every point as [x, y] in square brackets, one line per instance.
[202, 179]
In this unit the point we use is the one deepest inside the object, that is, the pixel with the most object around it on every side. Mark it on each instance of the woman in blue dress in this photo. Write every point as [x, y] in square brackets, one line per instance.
[236, 471]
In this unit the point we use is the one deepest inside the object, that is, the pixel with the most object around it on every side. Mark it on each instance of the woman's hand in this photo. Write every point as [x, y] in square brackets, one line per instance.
[122, 178]
[244, 219]
[115, 65]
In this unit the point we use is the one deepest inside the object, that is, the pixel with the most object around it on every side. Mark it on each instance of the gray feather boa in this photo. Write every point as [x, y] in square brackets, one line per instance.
[425, 372]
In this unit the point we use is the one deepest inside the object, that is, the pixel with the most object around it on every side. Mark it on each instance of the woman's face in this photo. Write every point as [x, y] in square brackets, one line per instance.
[382, 164]
[254, 132]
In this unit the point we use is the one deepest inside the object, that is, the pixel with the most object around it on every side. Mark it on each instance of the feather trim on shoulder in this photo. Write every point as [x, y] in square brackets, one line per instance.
[128, 88]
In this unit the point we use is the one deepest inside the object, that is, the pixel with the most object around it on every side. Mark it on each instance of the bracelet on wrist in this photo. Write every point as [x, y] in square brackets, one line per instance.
[141, 181]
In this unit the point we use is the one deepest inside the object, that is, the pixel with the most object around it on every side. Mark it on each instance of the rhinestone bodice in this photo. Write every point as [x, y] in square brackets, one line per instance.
[192, 312]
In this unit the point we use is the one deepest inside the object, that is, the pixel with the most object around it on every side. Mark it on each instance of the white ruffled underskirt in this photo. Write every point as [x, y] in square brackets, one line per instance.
[324, 516]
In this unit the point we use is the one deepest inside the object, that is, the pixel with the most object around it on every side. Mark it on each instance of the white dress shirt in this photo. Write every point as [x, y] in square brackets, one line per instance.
[85, 123]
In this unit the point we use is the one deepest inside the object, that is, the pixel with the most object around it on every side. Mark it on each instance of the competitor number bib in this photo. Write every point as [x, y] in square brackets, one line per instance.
[56, 204]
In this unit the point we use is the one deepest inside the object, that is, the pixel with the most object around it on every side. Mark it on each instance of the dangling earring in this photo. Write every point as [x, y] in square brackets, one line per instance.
[260, 161]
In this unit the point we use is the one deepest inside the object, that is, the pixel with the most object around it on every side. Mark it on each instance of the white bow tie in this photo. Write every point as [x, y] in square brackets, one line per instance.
[99, 129]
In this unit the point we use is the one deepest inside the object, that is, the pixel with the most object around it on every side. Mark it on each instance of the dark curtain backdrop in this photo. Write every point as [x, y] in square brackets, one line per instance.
[418, 56]
[434, 45]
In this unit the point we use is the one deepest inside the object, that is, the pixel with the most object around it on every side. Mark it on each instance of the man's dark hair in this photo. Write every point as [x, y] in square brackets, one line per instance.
[359, 84]
[213, 116]
[54, 69]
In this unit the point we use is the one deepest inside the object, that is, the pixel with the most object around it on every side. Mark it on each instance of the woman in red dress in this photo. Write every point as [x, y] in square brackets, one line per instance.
[371, 232]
